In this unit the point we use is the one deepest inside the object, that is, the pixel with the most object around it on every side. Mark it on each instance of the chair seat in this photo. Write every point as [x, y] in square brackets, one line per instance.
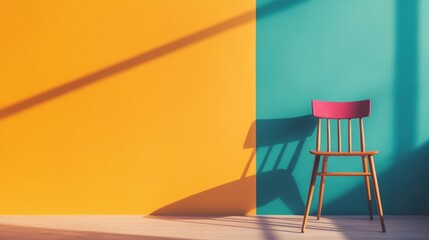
[366, 153]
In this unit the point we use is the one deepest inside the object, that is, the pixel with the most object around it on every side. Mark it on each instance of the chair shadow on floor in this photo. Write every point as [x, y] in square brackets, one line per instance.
[238, 197]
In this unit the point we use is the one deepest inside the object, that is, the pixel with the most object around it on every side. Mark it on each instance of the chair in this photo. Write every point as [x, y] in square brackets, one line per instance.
[342, 111]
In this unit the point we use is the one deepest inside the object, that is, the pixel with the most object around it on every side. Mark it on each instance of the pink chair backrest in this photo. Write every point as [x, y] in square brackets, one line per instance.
[341, 110]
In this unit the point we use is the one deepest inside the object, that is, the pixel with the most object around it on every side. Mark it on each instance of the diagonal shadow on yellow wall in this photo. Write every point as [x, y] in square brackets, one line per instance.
[153, 54]
[125, 65]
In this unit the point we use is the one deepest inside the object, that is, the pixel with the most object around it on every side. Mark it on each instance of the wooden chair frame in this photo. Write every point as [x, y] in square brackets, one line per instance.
[341, 111]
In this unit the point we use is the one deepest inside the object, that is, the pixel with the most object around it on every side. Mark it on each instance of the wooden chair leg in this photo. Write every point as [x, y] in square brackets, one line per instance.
[310, 191]
[368, 188]
[377, 192]
[322, 187]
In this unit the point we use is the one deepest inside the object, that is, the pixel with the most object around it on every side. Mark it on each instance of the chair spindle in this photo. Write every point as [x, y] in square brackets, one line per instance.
[350, 135]
[328, 129]
[319, 126]
[339, 134]
[362, 135]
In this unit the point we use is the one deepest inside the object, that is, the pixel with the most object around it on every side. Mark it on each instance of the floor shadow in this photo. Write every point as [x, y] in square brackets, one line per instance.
[269, 226]
[262, 11]
[258, 222]
[34, 233]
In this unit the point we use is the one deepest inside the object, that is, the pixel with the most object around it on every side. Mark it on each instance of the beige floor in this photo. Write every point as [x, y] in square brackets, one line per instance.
[232, 227]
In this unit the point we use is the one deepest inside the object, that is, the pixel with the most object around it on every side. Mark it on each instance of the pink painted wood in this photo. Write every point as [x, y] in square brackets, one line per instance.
[341, 110]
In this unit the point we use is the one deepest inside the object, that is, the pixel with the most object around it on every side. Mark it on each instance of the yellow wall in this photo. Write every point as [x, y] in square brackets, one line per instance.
[85, 128]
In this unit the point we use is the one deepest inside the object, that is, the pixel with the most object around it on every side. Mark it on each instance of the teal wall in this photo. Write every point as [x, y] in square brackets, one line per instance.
[340, 50]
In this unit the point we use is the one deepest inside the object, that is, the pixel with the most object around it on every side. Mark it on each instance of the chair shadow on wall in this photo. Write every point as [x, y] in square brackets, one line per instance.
[275, 178]
[239, 197]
